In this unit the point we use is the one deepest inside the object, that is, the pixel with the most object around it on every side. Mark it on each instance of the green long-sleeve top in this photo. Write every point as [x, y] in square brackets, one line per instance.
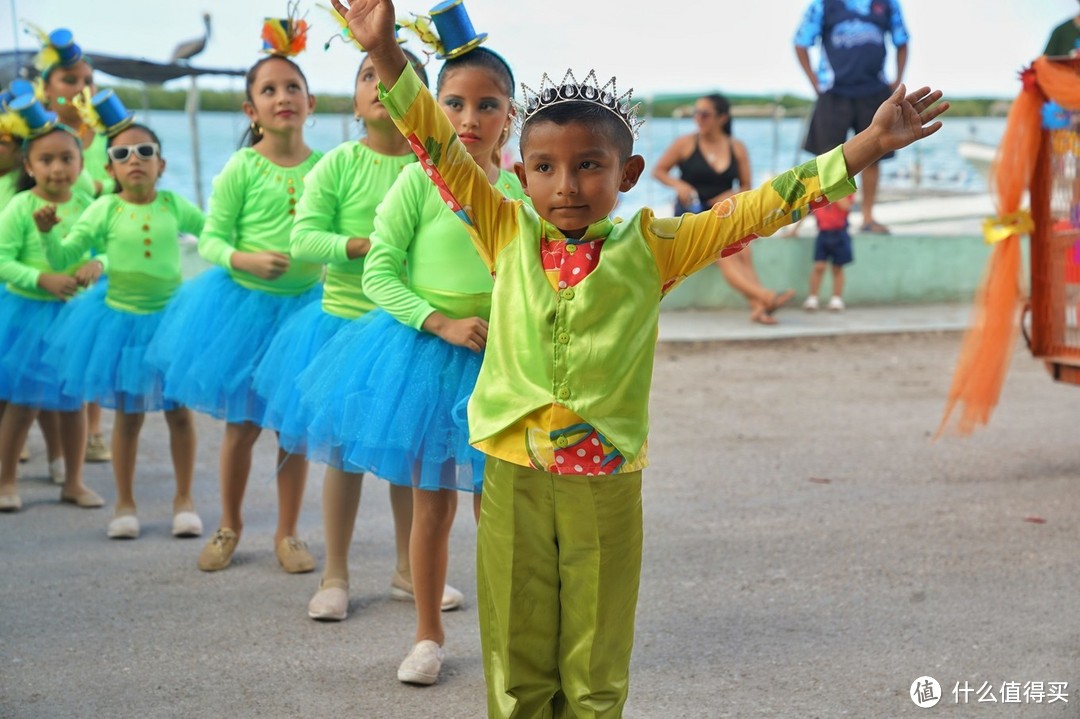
[95, 158]
[141, 243]
[22, 258]
[416, 232]
[7, 187]
[340, 196]
[252, 206]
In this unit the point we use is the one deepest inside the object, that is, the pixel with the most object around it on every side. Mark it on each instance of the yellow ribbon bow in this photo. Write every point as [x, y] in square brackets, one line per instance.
[996, 229]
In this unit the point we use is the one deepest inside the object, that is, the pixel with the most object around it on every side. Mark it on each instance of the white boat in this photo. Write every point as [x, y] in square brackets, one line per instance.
[978, 154]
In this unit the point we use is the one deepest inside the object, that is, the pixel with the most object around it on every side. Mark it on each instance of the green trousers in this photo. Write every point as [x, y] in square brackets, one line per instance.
[558, 567]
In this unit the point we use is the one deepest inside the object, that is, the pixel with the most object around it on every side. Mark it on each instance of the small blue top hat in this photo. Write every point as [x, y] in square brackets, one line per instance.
[64, 43]
[114, 116]
[37, 118]
[455, 29]
[18, 87]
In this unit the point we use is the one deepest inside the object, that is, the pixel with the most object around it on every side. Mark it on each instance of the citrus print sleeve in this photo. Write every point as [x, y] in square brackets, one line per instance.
[461, 182]
[216, 243]
[16, 228]
[313, 238]
[190, 218]
[684, 245]
[89, 233]
[395, 222]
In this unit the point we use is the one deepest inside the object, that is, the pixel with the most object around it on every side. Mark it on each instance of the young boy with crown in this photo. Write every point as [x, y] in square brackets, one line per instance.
[561, 403]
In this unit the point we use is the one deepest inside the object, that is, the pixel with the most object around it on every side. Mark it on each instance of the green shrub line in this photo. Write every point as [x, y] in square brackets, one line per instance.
[665, 105]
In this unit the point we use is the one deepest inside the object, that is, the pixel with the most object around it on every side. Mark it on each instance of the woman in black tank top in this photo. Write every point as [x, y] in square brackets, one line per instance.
[711, 163]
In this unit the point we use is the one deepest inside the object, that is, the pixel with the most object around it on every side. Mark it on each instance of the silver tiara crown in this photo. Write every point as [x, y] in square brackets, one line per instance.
[570, 90]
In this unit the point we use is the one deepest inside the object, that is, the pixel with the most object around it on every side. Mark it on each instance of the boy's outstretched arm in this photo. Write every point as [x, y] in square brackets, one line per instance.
[902, 119]
[371, 22]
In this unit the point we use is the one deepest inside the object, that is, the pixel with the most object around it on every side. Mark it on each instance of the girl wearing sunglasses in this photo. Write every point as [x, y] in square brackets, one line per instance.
[99, 343]
[35, 297]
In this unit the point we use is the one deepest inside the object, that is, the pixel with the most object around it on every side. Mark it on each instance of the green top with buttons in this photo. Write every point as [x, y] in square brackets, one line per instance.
[141, 243]
[252, 207]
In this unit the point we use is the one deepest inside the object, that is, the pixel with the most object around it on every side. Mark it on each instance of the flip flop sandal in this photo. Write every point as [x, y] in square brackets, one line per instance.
[779, 300]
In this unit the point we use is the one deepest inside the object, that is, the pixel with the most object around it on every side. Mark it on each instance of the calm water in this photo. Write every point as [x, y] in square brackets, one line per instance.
[774, 146]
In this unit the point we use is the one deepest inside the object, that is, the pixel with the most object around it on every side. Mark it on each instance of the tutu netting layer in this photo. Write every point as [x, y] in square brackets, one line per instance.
[385, 398]
[212, 338]
[24, 378]
[289, 354]
[99, 355]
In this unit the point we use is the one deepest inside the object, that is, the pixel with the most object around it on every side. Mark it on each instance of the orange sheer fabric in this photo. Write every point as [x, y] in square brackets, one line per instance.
[988, 343]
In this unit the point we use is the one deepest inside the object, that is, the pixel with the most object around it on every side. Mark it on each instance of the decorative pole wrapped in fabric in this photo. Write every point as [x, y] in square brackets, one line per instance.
[1021, 156]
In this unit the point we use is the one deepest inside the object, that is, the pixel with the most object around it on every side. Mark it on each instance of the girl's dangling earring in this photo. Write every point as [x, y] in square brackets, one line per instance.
[310, 122]
[256, 131]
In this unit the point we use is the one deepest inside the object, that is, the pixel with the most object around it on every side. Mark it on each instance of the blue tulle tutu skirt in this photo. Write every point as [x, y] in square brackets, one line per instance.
[214, 334]
[289, 354]
[99, 355]
[24, 378]
[387, 399]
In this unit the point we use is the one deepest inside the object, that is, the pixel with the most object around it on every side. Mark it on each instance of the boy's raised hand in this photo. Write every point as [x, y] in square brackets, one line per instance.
[901, 120]
[371, 22]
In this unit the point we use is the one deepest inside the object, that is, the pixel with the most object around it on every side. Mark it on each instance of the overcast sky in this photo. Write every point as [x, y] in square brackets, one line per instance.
[965, 47]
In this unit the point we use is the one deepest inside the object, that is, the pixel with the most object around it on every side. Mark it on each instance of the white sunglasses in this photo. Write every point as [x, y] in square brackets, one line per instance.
[144, 151]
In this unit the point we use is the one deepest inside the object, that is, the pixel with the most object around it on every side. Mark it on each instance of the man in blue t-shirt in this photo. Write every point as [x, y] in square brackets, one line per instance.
[850, 80]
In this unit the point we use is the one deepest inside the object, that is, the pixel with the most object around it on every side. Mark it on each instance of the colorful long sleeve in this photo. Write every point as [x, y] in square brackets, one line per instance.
[489, 217]
[686, 244]
[415, 230]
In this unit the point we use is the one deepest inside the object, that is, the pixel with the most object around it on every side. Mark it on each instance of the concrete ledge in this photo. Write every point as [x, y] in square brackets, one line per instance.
[697, 325]
[888, 269]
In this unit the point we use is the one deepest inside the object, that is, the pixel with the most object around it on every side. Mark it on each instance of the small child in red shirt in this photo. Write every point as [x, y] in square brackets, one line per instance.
[833, 244]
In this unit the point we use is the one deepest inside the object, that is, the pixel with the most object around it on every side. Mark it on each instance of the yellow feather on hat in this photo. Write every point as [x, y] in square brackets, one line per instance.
[47, 57]
[421, 26]
[12, 125]
[83, 102]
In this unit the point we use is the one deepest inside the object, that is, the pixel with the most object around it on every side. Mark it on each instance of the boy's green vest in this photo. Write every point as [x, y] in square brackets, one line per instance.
[588, 348]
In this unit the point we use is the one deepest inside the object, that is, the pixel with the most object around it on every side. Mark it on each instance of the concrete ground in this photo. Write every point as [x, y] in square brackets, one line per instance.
[809, 553]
